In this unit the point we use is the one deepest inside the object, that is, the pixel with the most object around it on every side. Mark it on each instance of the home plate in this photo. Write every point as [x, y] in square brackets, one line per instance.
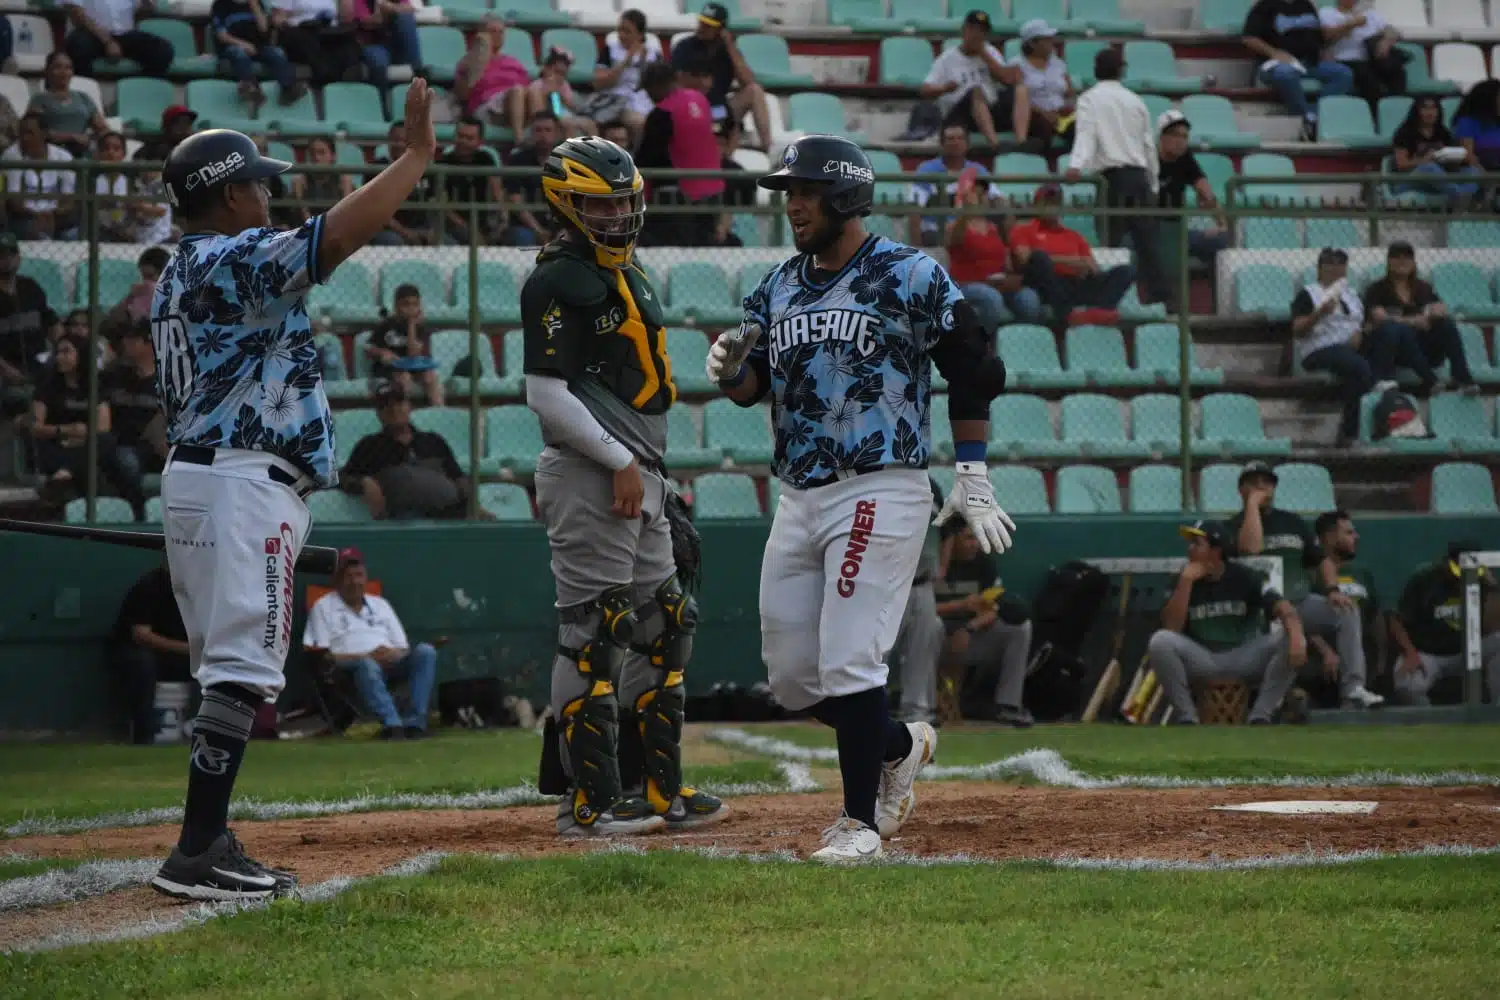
[1303, 807]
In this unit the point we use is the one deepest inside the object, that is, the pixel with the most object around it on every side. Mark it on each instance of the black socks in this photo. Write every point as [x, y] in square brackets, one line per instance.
[897, 740]
[220, 732]
[866, 737]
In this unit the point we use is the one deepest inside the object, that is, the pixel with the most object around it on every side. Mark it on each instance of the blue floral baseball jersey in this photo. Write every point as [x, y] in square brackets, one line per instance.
[236, 364]
[851, 381]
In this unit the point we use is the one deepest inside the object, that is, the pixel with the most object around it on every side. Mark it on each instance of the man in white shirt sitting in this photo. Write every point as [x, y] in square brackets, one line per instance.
[39, 202]
[1328, 320]
[363, 635]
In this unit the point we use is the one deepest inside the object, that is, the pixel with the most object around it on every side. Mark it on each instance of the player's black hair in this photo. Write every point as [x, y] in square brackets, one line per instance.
[1109, 64]
[636, 18]
[470, 120]
[658, 74]
[406, 291]
[543, 115]
[1328, 520]
[156, 257]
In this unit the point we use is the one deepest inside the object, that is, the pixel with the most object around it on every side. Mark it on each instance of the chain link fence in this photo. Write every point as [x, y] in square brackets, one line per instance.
[1125, 407]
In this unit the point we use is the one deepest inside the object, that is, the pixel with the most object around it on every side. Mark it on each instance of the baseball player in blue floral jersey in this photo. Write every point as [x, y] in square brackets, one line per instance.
[842, 337]
[251, 436]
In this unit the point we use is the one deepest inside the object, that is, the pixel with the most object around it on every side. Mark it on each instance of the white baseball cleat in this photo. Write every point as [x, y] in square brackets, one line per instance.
[1362, 697]
[848, 842]
[898, 797]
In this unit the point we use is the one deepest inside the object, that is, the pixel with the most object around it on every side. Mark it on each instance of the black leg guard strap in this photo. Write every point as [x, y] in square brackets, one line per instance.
[588, 725]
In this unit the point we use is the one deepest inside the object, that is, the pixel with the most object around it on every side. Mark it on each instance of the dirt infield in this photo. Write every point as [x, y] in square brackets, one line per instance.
[980, 819]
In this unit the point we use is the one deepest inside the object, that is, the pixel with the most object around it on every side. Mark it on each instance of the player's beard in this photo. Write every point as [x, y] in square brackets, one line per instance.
[824, 234]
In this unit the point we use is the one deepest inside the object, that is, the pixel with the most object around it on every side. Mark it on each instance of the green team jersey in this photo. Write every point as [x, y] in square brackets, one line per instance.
[1287, 536]
[964, 578]
[1358, 584]
[1432, 609]
[1228, 612]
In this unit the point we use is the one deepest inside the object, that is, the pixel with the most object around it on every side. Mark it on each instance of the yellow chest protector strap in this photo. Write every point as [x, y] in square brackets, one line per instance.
[635, 330]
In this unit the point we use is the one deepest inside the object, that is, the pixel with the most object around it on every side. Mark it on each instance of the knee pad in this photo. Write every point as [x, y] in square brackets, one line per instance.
[673, 646]
[612, 617]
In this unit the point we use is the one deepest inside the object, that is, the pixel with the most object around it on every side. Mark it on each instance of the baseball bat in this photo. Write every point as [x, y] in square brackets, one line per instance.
[314, 558]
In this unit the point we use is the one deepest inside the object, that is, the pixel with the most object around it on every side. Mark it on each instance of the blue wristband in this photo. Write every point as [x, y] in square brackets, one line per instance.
[968, 451]
[737, 379]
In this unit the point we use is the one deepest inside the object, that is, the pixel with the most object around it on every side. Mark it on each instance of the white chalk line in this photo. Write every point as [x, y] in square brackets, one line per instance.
[1048, 767]
[65, 885]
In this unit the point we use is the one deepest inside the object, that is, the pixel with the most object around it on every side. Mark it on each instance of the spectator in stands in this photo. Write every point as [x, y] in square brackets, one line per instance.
[40, 204]
[712, 45]
[107, 28]
[988, 630]
[24, 318]
[243, 31]
[1288, 36]
[59, 430]
[739, 191]
[1428, 628]
[69, 116]
[979, 261]
[928, 230]
[1340, 544]
[363, 634]
[285, 214]
[679, 135]
[1417, 146]
[618, 96]
[1476, 125]
[316, 193]
[118, 218]
[490, 82]
[464, 189]
[619, 134]
[544, 132]
[1057, 264]
[135, 305]
[149, 647]
[412, 226]
[551, 91]
[963, 81]
[1410, 326]
[399, 348]
[1178, 171]
[403, 472]
[1327, 320]
[10, 121]
[1045, 96]
[1365, 44]
[387, 32]
[134, 405]
[312, 35]
[176, 125]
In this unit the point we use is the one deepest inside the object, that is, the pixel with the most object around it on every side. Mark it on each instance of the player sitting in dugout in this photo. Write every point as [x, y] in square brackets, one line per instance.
[989, 630]
[1340, 543]
[1428, 628]
[1212, 629]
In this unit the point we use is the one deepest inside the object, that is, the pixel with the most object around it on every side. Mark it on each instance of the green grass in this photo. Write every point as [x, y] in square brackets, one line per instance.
[623, 926]
[73, 780]
[1219, 751]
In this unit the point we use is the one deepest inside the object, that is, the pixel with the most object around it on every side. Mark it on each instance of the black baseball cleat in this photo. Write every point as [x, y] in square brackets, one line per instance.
[223, 872]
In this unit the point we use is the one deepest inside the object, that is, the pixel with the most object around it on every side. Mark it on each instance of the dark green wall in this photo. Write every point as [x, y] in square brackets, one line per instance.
[487, 588]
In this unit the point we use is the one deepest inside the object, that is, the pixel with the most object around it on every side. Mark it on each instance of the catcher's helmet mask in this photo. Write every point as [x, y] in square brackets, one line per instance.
[208, 161]
[594, 189]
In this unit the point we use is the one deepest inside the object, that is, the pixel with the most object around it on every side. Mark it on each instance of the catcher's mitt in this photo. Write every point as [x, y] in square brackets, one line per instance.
[686, 545]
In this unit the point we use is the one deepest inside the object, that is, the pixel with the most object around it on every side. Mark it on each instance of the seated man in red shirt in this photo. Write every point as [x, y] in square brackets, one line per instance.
[979, 261]
[1058, 264]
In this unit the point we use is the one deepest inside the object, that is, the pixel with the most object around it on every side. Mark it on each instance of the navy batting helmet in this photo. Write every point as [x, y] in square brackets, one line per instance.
[207, 160]
[835, 162]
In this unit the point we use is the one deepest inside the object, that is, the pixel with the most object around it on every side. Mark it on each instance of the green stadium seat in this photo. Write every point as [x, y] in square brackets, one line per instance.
[1098, 352]
[506, 501]
[1101, 17]
[153, 510]
[1021, 427]
[1158, 354]
[741, 433]
[1304, 487]
[338, 384]
[698, 293]
[814, 111]
[1155, 103]
[522, 46]
[107, 510]
[1156, 423]
[1264, 289]
[1463, 488]
[1020, 489]
[1226, 16]
[362, 365]
[1346, 120]
[1344, 233]
[1462, 424]
[452, 425]
[864, 15]
[337, 507]
[1051, 11]
[1390, 113]
[1079, 57]
[1485, 371]
[1030, 356]
[923, 15]
[348, 296]
[1418, 77]
[724, 496]
[466, 12]
[1132, 310]
[1087, 489]
[349, 426]
[944, 476]
[1271, 165]
[499, 300]
[1465, 289]
[442, 48]
[354, 109]
[1468, 235]
[1092, 424]
[1217, 168]
[450, 348]
[750, 229]
[278, 150]
[685, 441]
[1001, 21]
[140, 100]
[429, 281]
[1219, 489]
[298, 118]
[1232, 426]
[771, 60]
[688, 350]
[1019, 165]
[1155, 489]
[47, 273]
[940, 428]
[1213, 121]
[1152, 66]
[581, 43]
[512, 440]
[116, 275]
[187, 59]
[904, 62]
[1450, 108]
[513, 364]
[217, 104]
[528, 14]
[1271, 234]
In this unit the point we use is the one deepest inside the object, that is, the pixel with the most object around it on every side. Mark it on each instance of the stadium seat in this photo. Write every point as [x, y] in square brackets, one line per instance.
[1155, 104]
[861, 15]
[940, 430]
[1217, 169]
[1485, 371]
[1087, 489]
[1213, 121]
[429, 281]
[513, 364]
[1152, 66]
[466, 12]
[1156, 423]
[442, 48]
[1462, 423]
[1325, 232]
[1390, 113]
[1469, 235]
[519, 44]
[1465, 289]
[528, 14]
[512, 440]
[724, 496]
[1030, 356]
[217, 104]
[1346, 120]
[346, 297]
[1450, 108]
[1092, 424]
[1101, 17]
[452, 425]
[140, 101]
[1018, 165]
[771, 60]
[506, 501]
[1232, 426]
[337, 382]
[688, 350]
[685, 441]
[581, 43]
[904, 62]
[499, 301]
[349, 426]
[1460, 18]
[663, 15]
[363, 368]
[298, 118]
[1098, 353]
[1019, 489]
[1155, 489]
[1271, 165]
[116, 275]
[1051, 11]
[107, 510]
[1261, 233]
[1265, 289]
[1021, 427]
[1304, 487]
[354, 109]
[1079, 56]
[922, 15]
[153, 510]
[450, 349]
[741, 433]
[814, 111]
[1459, 63]
[1158, 355]
[698, 293]
[337, 507]
[16, 92]
[1463, 488]
[187, 58]
[1219, 489]
[47, 273]
[1418, 79]
[1001, 21]
[1226, 16]
[1132, 310]
[32, 41]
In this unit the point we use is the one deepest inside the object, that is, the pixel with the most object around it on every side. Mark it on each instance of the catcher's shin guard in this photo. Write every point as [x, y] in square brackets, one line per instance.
[589, 723]
[658, 711]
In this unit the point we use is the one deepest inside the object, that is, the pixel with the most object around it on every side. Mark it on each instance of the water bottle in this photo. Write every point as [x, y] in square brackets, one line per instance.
[557, 105]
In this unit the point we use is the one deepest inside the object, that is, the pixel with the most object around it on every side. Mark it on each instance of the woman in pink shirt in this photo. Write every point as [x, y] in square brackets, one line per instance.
[490, 83]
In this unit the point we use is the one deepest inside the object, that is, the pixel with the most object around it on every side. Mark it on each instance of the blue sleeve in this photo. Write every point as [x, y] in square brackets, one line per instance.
[757, 304]
[1466, 128]
[930, 298]
[285, 263]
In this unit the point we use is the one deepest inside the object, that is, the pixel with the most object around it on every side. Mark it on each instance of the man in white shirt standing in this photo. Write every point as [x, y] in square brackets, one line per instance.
[1116, 138]
[962, 82]
[363, 635]
[106, 28]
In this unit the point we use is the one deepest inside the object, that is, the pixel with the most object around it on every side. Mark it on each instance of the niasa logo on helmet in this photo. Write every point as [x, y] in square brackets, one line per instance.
[851, 170]
[211, 172]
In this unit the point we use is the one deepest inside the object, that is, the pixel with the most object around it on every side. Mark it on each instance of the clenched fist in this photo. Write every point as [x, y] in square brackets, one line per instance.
[728, 354]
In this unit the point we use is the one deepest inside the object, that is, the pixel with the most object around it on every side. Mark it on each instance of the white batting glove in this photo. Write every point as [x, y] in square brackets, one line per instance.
[728, 354]
[973, 498]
